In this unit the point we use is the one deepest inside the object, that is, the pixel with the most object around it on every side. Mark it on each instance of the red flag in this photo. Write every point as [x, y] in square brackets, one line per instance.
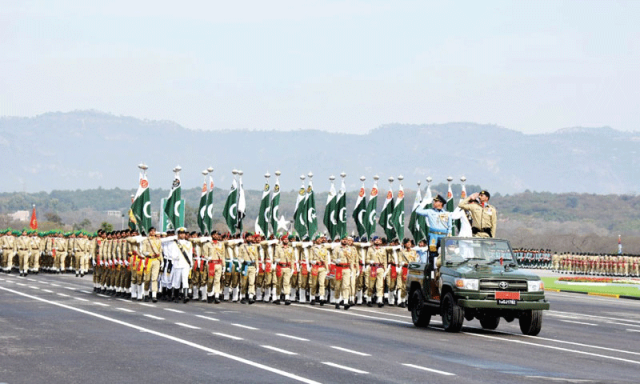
[34, 220]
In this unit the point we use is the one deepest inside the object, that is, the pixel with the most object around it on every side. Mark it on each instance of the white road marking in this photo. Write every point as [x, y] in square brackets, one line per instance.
[172, 338]
[125, 309]
[600, 317]
[207, 318]
[80, 299]
[187, 325]
[30, 279]
[1, 279]
[63, 295]
[244, 326]
[173, 310]
[148, 305]
[46, 290]
[55, 285]
[101, 304]
[579, 322]
[155, 317]
[378, 312]
[292, 337]
[626, 325]
[22, 285]
[32, 287]
[85, 291]
[279, 350]
[100, 294]
[43, 282]
[69, 288]
[348, 313]
[430, 369]
[547, 378]
[125, 300]
[343, 367]
[633, 330]
[228, 336]
[350, 351]
[556, 348]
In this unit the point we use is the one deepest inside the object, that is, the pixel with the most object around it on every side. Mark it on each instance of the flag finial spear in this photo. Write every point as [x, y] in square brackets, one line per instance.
[362, 178]
[463, 179]
[310, 174]
[278, 173]
[302, 177]
[343, 175]
[235, 172]
[205, 172]
[429, 179]
[419, 182]
[240, 173]
[332, 177]
[267, 175]
[376, 177]
[210, 169]
[449, 179]
[390, 179]
[400, 177]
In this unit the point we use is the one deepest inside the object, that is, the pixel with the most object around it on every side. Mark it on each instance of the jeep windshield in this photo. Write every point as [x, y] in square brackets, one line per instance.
[459, 251]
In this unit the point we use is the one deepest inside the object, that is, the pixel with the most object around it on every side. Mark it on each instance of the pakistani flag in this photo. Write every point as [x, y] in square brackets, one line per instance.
[242, 206]
[417, 223]
[141, 206]
[386, 216]
[275, 206]
[172, 207]
[310, 206]
[264, 214]
[463, 195]
[300, 214]
[359, 212]
[341, 208]
[230, 210]
[398, 214]
[209, 217]
[202, 209]
[450, 206]
[370, 215]
[330, 213]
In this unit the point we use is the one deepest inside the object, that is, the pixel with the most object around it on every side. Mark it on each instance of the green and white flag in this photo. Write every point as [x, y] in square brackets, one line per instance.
[372, 205]
[360, 211]
[386, 215]
[398, 214]
[275, 205]
[341, 208]
[209, 217]
[141, 206]
[330, 213]
[300, 214]
[463, 195]
[264, 214]
[450, 206]
[172, 207]
[202, 209]
[230, 210]
[427, 203]
[312, 218]
[417, 223]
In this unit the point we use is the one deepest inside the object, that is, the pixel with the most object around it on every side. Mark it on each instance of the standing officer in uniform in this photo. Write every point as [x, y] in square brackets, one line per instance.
[377, 261]
[22, 244]
[213, 253]
[319, 260]
[343, 258]
[248, 257]
[483, 216]
[439, 222]
[151, 249]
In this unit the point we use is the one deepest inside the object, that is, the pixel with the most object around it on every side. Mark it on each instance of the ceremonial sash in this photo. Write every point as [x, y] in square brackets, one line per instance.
[405, 272]
[278, 270]
[338, 271]
[374, 272]
[394, 272]
[314, 270]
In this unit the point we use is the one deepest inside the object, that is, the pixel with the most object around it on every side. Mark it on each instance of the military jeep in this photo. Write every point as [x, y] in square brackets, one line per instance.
[475, 278]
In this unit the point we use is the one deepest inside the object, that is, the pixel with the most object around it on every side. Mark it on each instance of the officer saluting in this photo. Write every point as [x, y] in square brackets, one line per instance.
[483, 216]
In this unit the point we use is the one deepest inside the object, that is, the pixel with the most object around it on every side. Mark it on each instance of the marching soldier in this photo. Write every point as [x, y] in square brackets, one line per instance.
[363, 271]
[406, 256]
[248, 256]
[319, 260]
[151, 250]
[214, 252]
[344, 257]
[285, 261]
[376, 259]
[198, 273]
[34, 250]
[22, 244]
[9, 249]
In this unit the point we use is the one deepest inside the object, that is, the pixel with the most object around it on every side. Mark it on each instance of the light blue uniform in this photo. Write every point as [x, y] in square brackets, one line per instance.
[439, 222]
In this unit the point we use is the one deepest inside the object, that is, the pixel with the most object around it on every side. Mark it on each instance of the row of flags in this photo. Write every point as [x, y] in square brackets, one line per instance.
[305, 221]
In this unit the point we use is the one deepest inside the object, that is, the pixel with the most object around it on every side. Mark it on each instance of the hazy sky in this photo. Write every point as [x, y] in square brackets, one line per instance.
[331, 65]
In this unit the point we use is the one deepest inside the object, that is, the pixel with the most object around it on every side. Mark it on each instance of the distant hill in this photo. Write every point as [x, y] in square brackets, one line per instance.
[89, 149]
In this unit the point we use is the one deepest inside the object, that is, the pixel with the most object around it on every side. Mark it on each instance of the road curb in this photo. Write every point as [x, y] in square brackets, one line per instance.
[595, 294]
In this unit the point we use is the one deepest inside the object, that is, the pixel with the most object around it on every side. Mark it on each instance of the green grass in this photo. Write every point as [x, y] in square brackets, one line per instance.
[550, 283]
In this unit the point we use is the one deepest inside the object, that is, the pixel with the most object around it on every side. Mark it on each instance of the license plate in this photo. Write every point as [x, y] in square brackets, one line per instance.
[508, 302]
[507, 295]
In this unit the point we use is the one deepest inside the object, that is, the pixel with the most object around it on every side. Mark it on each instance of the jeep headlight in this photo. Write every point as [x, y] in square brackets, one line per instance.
[535, 286]
[468, 284]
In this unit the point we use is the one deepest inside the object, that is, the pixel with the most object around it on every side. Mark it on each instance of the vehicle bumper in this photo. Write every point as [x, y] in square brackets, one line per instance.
[493, 304]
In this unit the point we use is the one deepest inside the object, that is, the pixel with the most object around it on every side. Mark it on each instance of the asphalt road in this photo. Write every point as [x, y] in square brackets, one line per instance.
[54, 329]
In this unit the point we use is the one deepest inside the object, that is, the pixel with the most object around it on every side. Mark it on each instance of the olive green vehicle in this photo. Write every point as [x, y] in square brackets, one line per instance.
[475, 278]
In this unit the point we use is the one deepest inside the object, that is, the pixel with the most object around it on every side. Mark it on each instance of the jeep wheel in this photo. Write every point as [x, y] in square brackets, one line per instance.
[419, 314]
[531, 322]
[452, 314]
[490, 322]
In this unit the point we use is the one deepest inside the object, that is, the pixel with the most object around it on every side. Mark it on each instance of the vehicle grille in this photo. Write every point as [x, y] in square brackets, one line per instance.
[494, 285]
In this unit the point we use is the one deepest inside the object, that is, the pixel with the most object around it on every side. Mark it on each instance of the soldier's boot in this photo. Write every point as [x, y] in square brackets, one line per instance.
[401, 300]
[359, 298]
[346, 305]
[276, 300]
[267, 295]
[225, 294]
[134, 291]
[216, 298]
[313, 300]
[332, 297]
[287, 300]
[244, 299]
[303, 295]
[236, 292]
[251, 298]
[322, 300]
[203, 293]
[141, 292]
[259, 294]
[185, 298]
[154, 297]
[380, 302]
[338, 301]
[392, 299]
[210, 298]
